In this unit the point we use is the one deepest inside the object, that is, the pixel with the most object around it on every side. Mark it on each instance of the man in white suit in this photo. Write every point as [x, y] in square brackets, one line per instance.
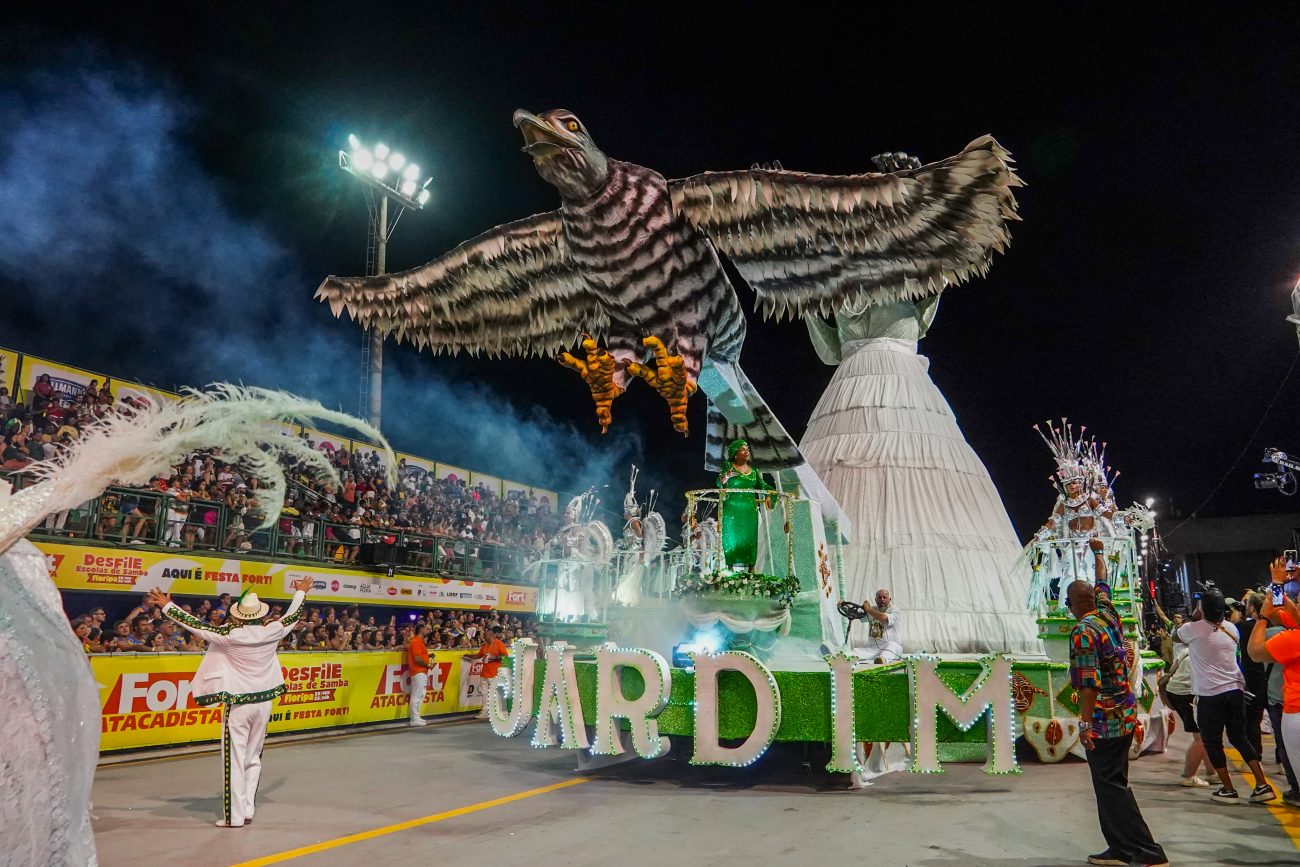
[241, 672]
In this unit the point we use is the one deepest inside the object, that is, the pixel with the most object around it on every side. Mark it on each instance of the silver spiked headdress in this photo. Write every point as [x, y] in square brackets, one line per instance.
[1099, 472]
[631, 508]
[1067, 450]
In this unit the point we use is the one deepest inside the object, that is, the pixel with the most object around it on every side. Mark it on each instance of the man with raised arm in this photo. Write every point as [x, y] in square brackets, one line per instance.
[1107, 719]
[241, 672]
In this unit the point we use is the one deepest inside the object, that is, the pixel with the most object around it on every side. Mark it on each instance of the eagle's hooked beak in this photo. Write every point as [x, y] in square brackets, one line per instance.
[540, 138]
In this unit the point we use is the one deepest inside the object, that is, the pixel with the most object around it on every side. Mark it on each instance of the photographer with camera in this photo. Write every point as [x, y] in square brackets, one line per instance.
[1278, 645]
[1219, 686]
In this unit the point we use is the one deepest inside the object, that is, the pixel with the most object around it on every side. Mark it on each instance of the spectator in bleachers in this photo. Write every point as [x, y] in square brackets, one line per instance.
[42, 393]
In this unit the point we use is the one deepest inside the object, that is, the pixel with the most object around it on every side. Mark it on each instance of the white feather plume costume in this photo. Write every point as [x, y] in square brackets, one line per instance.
[49, 727]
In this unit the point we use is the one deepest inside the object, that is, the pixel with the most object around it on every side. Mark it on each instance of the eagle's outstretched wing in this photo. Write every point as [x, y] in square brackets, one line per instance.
[510, 291]
[808, 243]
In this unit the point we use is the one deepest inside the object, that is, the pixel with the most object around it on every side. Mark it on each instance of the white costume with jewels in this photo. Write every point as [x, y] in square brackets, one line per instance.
[927, 520]
[636, 555]
[49, 701]
[1086, 538]
[241, 672]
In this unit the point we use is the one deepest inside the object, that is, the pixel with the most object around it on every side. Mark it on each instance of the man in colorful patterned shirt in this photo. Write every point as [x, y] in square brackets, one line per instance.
[1107, 716]
[239, 671]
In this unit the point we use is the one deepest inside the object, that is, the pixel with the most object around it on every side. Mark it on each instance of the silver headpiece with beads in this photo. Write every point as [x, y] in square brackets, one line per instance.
[1067, 450]
[631, 508]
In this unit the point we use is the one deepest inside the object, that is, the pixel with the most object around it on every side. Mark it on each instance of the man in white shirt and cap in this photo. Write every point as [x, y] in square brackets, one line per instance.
[241, 672]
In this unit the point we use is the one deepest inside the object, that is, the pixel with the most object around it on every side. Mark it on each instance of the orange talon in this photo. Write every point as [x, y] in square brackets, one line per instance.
[598, 372]
[668, 376]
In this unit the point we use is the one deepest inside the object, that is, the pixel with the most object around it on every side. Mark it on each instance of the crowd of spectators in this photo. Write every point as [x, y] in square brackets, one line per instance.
[206, 503]
[51, 420]
[1223, 689]
[322, 627]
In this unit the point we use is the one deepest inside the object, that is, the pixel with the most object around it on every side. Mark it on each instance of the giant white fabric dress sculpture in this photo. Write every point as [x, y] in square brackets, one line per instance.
[928, 523]
[49, 701]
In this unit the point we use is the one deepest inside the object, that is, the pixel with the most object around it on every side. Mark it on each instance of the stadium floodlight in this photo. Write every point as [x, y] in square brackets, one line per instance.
[384, 172]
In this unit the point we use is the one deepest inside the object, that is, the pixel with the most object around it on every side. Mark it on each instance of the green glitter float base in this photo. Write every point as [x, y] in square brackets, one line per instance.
[880, 698]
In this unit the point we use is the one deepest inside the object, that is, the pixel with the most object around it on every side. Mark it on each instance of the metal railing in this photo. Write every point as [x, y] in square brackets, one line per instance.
[132, 516]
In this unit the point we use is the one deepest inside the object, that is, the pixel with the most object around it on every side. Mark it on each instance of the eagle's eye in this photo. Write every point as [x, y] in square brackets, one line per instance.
[572, 125]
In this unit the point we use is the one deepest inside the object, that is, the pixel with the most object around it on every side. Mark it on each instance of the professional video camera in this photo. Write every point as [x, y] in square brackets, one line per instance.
[1284, 479]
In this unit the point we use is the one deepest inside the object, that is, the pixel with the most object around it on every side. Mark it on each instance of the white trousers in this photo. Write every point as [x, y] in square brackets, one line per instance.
[175, 524]
[1291, 736]
[242, 734]
[415, 698]
[889, 651]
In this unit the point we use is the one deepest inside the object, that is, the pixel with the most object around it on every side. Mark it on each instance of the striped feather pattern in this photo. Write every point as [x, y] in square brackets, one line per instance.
[770, 447]
[640, 257]
[809, 243]
[654, 273]
[510, 291]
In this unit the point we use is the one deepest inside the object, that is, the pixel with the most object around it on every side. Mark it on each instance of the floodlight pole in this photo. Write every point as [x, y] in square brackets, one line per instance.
[372, 171]
[376, 386]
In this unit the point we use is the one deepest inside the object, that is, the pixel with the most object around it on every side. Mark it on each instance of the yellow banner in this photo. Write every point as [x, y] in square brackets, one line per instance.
[508, 487]
[323, 442]
[447, 471]
[9, 371]
[134, 390]
[365, 451]
[70, 381]
[87, 567]
[413, 463]
[146, 699]
[285, 428]
[491, 483]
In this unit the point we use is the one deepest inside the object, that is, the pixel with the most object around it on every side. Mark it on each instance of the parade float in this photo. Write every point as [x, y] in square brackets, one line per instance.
[740, 637]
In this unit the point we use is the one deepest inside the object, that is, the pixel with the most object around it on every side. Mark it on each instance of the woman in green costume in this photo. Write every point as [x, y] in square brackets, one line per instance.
[739, 512]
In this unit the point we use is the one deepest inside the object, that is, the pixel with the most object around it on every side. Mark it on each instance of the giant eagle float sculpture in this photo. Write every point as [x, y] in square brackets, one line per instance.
[635, 260]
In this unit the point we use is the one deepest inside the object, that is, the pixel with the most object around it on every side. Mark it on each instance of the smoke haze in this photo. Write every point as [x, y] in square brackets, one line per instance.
[120, 253]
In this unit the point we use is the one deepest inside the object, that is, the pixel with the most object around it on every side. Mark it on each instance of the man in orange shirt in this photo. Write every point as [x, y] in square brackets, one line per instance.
[417, 661]
[492, 652]
[1282, 649]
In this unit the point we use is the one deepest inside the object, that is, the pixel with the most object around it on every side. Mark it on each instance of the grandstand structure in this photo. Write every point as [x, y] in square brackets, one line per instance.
[152, 524]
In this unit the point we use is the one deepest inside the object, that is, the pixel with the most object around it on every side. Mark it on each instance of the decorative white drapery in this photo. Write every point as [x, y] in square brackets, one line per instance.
[928, 524]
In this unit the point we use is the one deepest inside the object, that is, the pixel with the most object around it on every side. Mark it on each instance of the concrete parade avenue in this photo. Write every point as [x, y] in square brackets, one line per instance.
[454, 791]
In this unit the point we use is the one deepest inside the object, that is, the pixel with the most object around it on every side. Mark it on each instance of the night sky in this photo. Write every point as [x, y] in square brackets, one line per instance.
[170, 199]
